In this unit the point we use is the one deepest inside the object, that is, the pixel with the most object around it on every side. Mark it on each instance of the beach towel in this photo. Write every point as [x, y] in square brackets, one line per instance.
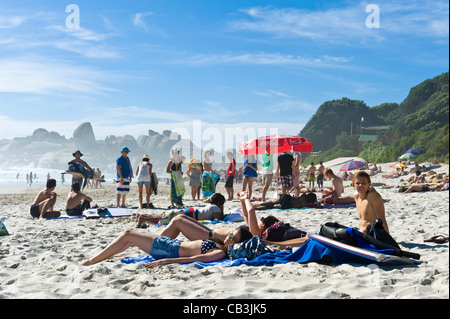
[177, 188]
[311, 251]
[209, 182]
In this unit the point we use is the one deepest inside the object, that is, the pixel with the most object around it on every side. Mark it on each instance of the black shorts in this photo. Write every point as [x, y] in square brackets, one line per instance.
[229, 182]
[34, 211]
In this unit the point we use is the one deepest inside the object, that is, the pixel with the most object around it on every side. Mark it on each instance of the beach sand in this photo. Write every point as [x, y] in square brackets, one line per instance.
[39, 258]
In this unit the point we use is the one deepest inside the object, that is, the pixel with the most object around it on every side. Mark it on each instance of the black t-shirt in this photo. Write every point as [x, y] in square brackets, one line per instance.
[285, 162]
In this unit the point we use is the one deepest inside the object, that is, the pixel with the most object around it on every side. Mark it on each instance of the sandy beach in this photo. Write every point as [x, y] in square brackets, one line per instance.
[39, 257]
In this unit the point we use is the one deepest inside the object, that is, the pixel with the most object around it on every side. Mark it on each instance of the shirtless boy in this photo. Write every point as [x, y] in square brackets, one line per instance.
[369, 204]
[76, 201]
[335, 196]
[44, 202]
[311, 175]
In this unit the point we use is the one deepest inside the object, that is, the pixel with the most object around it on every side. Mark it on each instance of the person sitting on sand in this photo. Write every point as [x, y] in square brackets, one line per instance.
[335, 195]
[369, 203]
[168, 250]
[44, 202]
[419, 179]
[77, 202]
[212, 211]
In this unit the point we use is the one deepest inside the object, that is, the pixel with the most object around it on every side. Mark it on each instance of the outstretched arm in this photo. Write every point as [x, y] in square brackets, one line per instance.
[214, 255]
[249, 214]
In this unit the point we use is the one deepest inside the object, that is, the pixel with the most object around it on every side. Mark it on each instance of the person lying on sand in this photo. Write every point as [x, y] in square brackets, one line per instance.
[369, 203]
[424, 188]
[77, 202]
[44, 202]
[212, 211]
[168, 251]
[286, 201]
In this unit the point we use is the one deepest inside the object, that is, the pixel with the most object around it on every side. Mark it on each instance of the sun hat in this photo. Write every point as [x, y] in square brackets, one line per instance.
[146, 157]
[73, 154]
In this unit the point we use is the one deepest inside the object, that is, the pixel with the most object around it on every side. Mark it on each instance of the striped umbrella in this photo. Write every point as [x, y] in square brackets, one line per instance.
[407, 156]
[353, 164]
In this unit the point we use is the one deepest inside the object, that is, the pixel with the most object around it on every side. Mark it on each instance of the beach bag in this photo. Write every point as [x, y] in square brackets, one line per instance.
[249, 249]
[282, 231]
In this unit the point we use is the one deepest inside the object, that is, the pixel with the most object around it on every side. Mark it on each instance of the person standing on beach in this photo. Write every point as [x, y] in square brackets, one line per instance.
[311, 175]
[267, 173]
[194, 173]
[144, 177]
[44, 202]
[231, 173]
[124, 176]
[250, 172]
[296, 172]
[284, 171]
[320, 175]
[78, 160]
[177, 189]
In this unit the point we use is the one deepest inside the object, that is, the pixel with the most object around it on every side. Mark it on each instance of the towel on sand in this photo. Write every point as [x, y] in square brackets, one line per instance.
[311, 251]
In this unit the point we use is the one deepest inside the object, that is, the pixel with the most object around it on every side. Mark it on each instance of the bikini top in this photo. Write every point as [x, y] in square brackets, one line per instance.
[207, 245]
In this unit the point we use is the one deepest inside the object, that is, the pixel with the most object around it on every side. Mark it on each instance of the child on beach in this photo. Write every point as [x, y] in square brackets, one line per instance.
[44, 202]
[195, 174]
[144, 177]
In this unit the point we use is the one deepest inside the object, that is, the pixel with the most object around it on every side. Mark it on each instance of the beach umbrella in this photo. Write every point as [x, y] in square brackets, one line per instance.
[275, 144]
[353, 164]
[415, 151]
[407, 156]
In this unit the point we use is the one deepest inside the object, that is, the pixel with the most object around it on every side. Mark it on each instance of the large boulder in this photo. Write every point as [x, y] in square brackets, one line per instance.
[84, 138]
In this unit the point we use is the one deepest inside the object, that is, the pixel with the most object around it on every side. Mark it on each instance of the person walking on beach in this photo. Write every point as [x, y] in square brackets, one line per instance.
[124, 176]
[231, 173]
[44, 202]
[144, 178]
[284, 171]
[77, 202]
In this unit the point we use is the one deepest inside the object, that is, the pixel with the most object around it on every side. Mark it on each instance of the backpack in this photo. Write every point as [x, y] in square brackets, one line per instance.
[282, 231]
[249, 249]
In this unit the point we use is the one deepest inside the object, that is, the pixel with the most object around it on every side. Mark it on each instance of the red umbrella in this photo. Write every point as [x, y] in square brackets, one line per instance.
[275, 144]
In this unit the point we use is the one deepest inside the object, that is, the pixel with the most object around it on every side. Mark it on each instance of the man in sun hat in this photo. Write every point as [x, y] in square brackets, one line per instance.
[124, 175]
[78, 160]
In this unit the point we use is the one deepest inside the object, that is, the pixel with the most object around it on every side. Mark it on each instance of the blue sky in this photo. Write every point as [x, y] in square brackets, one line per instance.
[138, 65]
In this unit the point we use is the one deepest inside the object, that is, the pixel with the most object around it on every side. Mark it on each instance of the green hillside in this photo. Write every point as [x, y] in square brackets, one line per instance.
[421, 120]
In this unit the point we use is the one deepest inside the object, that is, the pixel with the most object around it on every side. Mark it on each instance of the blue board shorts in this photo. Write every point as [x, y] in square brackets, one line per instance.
[165, 247]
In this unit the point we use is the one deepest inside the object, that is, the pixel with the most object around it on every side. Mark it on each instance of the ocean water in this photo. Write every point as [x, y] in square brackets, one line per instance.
[16, 176]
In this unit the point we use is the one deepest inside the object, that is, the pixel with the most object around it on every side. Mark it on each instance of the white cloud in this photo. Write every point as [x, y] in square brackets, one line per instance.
[345, 25]
[32, 76]
[265, 59]
[11, 22]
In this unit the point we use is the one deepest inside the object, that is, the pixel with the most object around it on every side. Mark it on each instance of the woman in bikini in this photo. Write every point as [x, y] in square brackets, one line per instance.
[168, 251]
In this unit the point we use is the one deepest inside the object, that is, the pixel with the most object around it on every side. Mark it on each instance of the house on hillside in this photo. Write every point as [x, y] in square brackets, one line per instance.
[370, 134]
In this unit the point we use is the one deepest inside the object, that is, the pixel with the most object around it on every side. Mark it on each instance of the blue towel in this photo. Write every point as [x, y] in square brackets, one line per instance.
[311, 251]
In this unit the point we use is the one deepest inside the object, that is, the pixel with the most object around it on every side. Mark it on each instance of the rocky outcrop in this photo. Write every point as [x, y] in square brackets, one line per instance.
[84, 137]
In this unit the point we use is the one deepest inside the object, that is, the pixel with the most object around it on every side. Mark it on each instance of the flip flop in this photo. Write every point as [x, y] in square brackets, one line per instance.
[438, 239]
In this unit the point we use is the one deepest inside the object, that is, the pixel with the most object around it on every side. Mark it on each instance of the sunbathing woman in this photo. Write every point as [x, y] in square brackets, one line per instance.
[168, 251]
